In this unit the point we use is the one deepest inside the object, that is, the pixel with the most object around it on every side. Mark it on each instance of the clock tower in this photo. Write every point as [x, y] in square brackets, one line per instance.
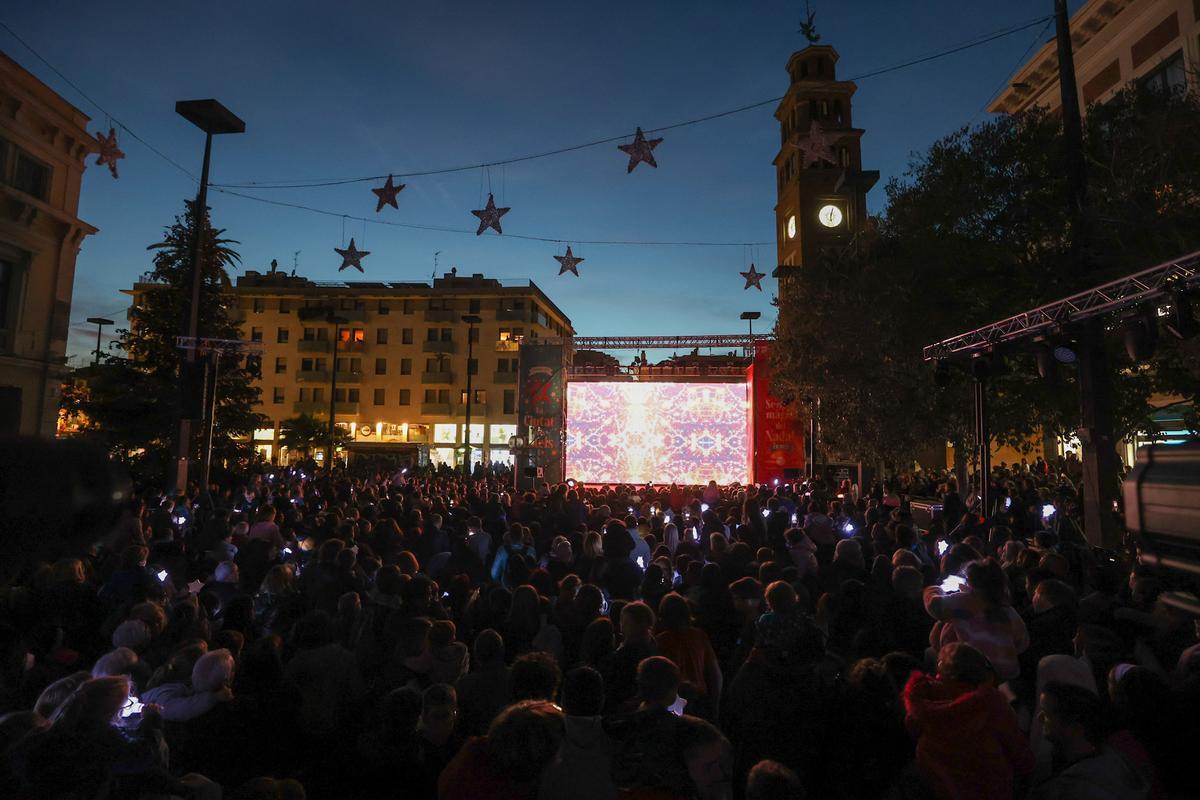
[821, 185]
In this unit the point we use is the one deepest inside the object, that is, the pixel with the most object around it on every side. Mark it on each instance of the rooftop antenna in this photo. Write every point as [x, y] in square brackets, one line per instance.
[435, 263]
[295, 262]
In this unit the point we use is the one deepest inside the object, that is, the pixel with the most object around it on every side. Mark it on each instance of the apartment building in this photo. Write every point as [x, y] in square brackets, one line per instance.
[43, 143]
[401, 359]
[1155, 43]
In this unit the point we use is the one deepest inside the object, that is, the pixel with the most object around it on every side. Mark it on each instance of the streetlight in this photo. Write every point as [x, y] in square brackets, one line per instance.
[99, 322]
[337, 321]
[214, 119]
[750, 316]
[472, 320]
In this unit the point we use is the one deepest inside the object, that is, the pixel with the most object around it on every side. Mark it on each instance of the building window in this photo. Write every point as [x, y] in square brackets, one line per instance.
[472, 366]
[409, 306]
[474, 334]
[310, 335]
[285, 306]
[256, 334]
[406, 366]
[379, 396]
[1169, 77]
[381, 366]
[8, 290]
[443, 396]
[352, 395]
[347, 304]
[280, 365]
[381, 335]
[254, 366]
[31, 176]
[430, 396]
[277, 395]
[474, 306]
[318, 394]
[281, 336]
[505, 335]
[353, 335]
[384, 308]
[304, 394]
[260, 305]
[433, 365]
[405, 397]
[339, 395]
[510, 401]
[447, 334]
[406, 336]
[431, 335]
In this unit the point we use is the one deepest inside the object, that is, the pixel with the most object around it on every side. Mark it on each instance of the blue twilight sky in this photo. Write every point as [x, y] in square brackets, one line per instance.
[349, 89]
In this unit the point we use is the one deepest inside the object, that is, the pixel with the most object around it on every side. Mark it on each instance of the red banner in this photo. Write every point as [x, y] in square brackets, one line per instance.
[777, 437]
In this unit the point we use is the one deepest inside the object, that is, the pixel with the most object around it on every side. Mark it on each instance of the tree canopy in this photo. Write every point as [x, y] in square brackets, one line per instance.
[977, 230]
[134, 401]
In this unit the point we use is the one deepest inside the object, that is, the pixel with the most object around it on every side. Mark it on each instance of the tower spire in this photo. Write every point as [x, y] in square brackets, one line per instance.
[808, 28]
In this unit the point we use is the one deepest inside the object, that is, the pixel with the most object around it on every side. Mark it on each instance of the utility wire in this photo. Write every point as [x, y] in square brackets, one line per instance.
[443, 229]
[301, 184]
[101, 108]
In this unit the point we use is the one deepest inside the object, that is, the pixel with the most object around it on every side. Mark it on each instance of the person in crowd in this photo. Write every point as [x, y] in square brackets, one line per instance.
[968, 740]
[508, 763]
[211, 683]
[438, 737]
[770, 780]
[488, 688]
[1074, 725]
[691, 651]
[979, 614]
[581, 768]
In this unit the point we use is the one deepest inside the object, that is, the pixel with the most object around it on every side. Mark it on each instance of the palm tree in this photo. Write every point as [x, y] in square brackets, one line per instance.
[305, 432]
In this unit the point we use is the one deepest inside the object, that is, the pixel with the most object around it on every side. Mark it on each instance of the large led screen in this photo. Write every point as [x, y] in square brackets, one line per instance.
[687, 433]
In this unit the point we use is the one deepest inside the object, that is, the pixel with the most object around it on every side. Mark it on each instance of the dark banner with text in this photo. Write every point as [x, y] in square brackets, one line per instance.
[543, 408]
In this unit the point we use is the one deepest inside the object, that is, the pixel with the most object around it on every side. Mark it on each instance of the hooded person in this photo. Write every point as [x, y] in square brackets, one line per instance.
[968, 742]
[450, 659]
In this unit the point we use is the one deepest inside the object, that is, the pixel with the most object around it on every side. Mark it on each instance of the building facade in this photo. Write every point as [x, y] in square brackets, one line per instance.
[1155, 43]
[402, 357]
[43, 143]
[821, 185]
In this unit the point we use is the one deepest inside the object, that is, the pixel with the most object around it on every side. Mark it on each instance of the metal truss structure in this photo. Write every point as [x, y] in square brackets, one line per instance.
[739, 340]
[1150, 285]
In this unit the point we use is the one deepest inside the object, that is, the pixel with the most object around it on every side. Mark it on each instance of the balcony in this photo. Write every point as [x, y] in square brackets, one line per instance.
[322, 313]
[478, 410]
[313, 346]
[435, 409]
[508, 378]
[445, 376]
[320, 376]
[507, 345]
[512, 315]
[440, 315]
[349, 377]
[352, 347]
[321, 408]
[437, 347]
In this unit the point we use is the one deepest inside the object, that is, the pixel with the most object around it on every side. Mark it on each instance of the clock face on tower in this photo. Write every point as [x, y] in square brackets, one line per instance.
[791, 227]
[830, 216]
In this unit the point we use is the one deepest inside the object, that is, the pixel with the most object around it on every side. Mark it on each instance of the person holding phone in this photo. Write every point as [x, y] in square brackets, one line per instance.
[980, 614]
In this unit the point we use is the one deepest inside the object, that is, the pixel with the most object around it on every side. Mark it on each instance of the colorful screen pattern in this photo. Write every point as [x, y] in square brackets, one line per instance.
[687, 433]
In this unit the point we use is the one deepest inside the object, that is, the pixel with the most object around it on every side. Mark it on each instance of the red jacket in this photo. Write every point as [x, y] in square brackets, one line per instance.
[968, 744]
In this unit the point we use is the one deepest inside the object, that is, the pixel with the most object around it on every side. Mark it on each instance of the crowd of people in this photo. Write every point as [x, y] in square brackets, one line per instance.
[417, 634]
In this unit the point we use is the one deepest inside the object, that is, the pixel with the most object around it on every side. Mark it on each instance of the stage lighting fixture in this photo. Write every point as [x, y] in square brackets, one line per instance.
[941, 373]
[1064, 353]
[1140, 333]
[989, 365]
[1047, 365]
[1180, 321]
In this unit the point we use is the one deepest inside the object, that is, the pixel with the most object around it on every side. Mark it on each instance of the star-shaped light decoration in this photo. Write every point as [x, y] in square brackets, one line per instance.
[489, 216]
[641, 150]
[351, 256]
[817, 146]
[387, 195]
[109, 152]
[753, 278]
[568, 263]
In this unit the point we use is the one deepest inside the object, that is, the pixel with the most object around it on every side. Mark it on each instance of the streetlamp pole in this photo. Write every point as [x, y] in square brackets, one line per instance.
[212, 118]
[99, 322]
[338, 322]
[1097, 446]
[472, 320]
